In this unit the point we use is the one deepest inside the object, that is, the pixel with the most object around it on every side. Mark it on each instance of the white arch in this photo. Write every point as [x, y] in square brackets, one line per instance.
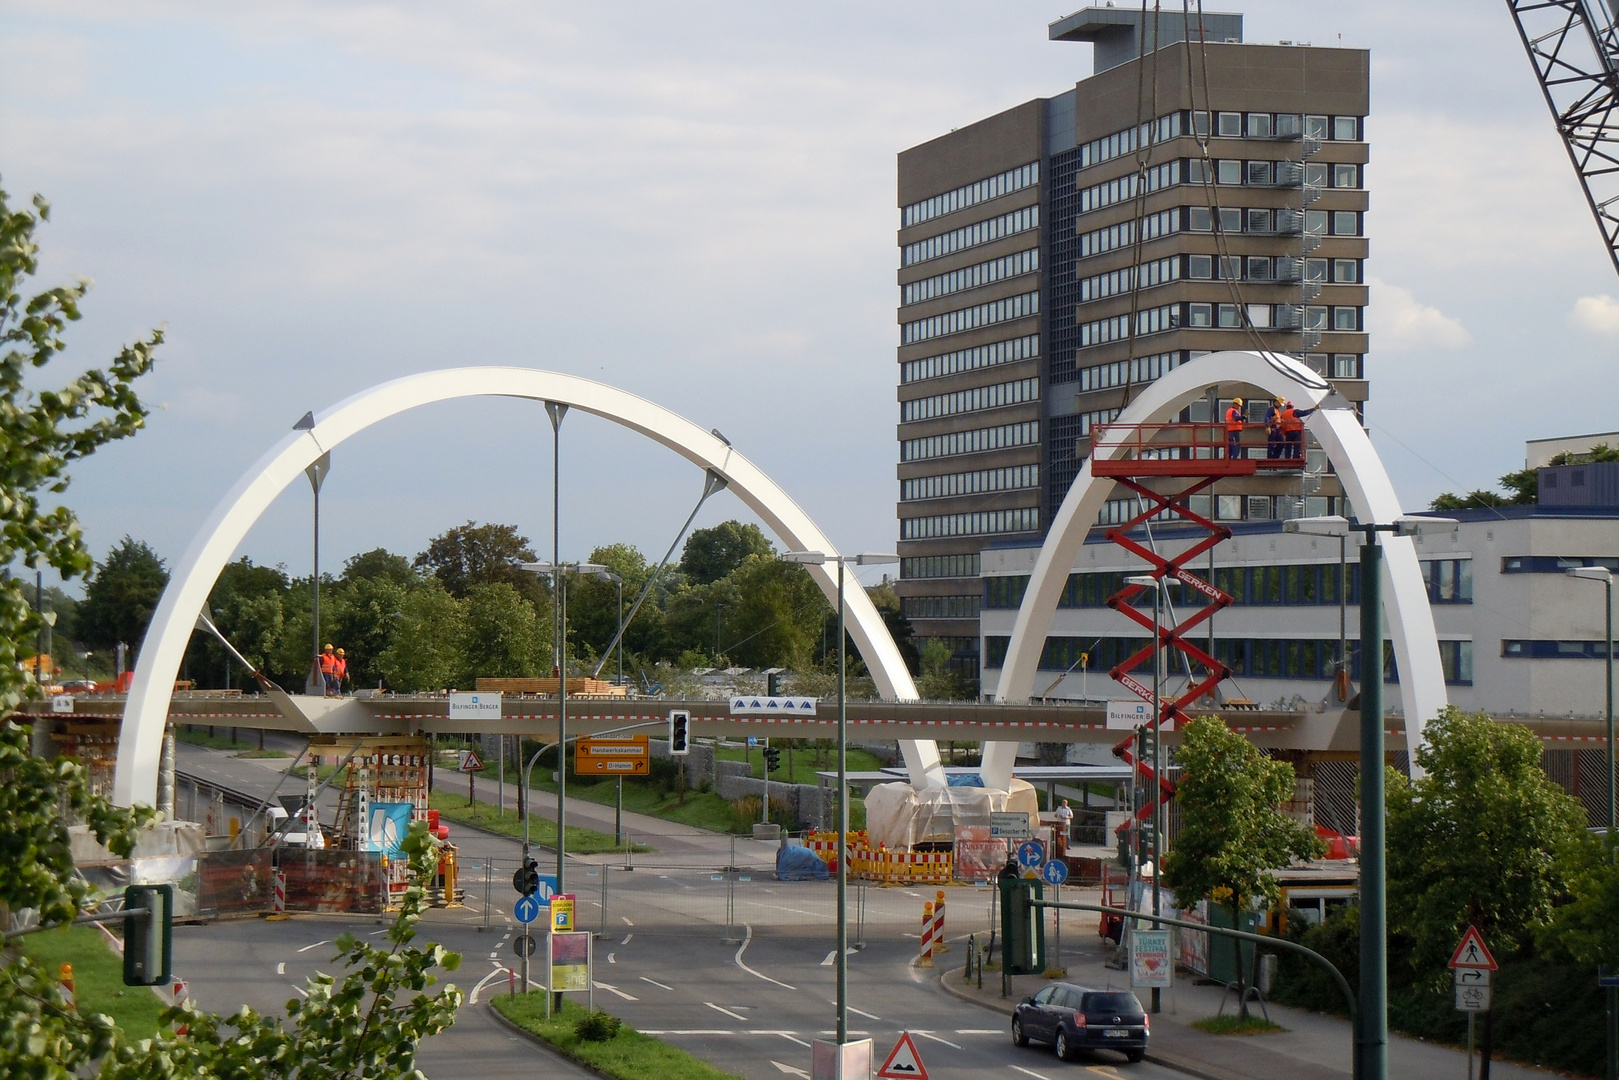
[141, 737]
[1405, 597]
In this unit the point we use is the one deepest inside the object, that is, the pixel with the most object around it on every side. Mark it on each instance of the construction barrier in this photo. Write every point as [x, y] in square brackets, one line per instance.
[925, 959]
[279, 904]
[938, 924]
[881, 864]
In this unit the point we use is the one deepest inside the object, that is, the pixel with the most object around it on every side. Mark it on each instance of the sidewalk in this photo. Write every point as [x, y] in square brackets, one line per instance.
[1314, 1046]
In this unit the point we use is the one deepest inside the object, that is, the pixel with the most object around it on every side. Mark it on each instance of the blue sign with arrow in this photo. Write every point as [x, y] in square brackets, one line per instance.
[527, 909]
[1054, 872]
[1030, 854]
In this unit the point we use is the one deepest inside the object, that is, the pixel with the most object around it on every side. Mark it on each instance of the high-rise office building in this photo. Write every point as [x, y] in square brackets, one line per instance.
[1195, 194]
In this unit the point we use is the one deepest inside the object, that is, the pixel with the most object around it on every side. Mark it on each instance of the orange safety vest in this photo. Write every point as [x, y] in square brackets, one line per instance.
[328, 663]
[1233, 419]
[1291, 421]
[340, 666]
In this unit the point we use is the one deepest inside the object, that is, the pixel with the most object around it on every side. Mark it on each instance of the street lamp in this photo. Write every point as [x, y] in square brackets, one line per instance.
[821, 558]
[1604, 575]
[1147, 581]
[615, 579]
[1371, 1041]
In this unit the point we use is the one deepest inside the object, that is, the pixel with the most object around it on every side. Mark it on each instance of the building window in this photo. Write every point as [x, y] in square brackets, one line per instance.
[1113, 237]
[1315, 175]
[1259, 125]
[1138, 371]
[1259, 268]
[1116, 282]
[1261, 221]
[1005, 592]
[1228, 172]
[1541, 649]
[1229, 319]
[1450, 581]
[1345, 271]
[1259, 316]
[1200, 267]
[976, 399]
[1315, 317]
[1230, 125]
[1345, 223]
[1117, 328]
[1346, 176]
[985, 522]
[1199, 315]
[1315, 127]
[971, 195]
[1345, 366]
[1012, 478]
[1230, 219]
[969, 236]
[971, 442]
[1122, 188]
[939, 566]
[964, 319]
[1345, 128]
[940, 607]
[979, 356]
[1199, 219]
[1554, 564]
[1261, 173]
[1129, 140]
[972, 277]
[1346, 319]
[1315, 222]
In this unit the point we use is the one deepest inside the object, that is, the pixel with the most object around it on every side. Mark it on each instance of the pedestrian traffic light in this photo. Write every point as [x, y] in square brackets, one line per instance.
[679, 733]
[148, 935]
[772, 759]
[527, 879]
[774, 683]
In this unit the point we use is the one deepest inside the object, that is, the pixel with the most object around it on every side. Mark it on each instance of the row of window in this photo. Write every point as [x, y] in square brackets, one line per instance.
[939, 607]
[1270, 317]
[1222, 507]
[978, 441]
[1272, 222]
[972, 277]
[1289, 174]
[969, 236]
[1542, 649]
[1113, 237]
[971, 194]
[1129, 140]
[1156, 272]
[1088, 420]
[939, 566]
[994, 354]
[964, 319]
[1137, 371]
[1236, 125]
[976, 399]
[1279, 268]
[1122, 188]
[1011, 478]
[978, 523]
[1117, 328]
[1554, 564]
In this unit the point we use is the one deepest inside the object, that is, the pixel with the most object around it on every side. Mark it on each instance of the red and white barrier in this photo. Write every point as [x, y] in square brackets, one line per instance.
[938, 924]
[926, 957]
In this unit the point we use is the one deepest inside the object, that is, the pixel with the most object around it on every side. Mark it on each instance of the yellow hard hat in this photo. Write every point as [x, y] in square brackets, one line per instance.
[1236, 401]
[340, 652]
[328, 646]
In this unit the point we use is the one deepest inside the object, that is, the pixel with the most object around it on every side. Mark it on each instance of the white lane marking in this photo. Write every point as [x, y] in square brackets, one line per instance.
[1104, 1070]
[485, 981]
[316, 945]
[610, 959]
[688, 1031]
[791, 1039]
[1029, 1072]
[281, 968]
[935, 1038]
[833, 955]
[727, 1012]
[300, 990]
[375, 933]
[979, 1031]
[656, 983]
[626, 921]
[789, 1070]
[852, 1009]
[494, 955]
[747, 936]
[626, 940]
[611, 989]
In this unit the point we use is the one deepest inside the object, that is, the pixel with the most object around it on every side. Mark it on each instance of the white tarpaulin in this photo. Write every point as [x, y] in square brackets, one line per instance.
[899, 817]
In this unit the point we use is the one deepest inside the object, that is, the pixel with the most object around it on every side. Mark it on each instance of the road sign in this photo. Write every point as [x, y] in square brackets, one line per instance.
[1607, 976]
[1150, 963]
[772, 705]
[523, 944]
[1054, 872]
[1472, 990]
[1009, 826]
[903, 1063]
[526, 910]
[62, 703]
[753, 740]
[613, 757]
[470, 762]
[1128, 715]
[1472, 953]
[480, 706]
[562, 913]
[1030, 854]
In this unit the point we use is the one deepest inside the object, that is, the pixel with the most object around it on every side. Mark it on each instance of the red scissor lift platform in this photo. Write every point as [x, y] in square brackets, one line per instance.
[1196, 454]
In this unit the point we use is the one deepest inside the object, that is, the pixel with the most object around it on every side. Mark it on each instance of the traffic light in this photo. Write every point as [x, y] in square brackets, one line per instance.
[773, 681]
[679, 733]
[148, 935]
[772, 759]
[527, 879]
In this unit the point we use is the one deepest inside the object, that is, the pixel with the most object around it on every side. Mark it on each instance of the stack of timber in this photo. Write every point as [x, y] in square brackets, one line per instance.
[548, 687]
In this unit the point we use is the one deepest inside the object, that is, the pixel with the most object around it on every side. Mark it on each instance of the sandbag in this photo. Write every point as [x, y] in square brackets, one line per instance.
[800, 864]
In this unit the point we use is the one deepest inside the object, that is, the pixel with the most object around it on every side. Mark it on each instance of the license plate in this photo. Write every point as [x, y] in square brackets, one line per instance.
[1116, 1033]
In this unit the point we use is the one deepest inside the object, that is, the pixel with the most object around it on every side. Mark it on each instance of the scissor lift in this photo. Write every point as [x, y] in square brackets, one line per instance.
[1195, 454]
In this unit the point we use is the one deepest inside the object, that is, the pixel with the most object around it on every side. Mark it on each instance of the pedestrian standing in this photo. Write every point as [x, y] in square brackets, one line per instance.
[328, 670]
[340, 668]
[1234, 421]
[1065, 826]
[1274, 439]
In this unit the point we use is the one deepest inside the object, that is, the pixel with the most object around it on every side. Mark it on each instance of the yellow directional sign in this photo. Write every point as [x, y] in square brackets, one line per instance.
[612, 757]
[561, 913]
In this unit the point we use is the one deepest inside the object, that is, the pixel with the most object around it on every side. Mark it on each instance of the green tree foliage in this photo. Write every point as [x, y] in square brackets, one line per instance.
[939, 681]
[774, 618]
[246, 602]
[121, 596]
[711, 554]
[426, 653]
[1585, 930]
[502, 636]
[474, 554]
[1471, 842]
[1523, 486]
[380, 563]
[1233, 831]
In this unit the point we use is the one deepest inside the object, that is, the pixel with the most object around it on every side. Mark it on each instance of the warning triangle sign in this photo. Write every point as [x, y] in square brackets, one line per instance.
[904, 1063]
[470, 761]
[1472, 953]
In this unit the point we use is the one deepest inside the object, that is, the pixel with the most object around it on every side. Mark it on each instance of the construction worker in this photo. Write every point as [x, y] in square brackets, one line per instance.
[1234, 421]
[1292, 422]
[1274, 439]
[340, 668]
[328, 670]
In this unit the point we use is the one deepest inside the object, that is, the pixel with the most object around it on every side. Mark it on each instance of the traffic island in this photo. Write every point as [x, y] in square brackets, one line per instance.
[626, 1055]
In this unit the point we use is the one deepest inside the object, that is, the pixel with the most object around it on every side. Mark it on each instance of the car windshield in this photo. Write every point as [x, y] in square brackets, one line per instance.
[1114, 1003]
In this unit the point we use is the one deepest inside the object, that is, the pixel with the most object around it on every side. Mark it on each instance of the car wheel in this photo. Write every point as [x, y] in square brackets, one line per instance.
[1135, 1056]
[1064, 1051]
[1018, 1038]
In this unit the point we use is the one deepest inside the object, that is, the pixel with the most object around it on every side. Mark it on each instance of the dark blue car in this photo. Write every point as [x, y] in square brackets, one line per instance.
[1072, 1018]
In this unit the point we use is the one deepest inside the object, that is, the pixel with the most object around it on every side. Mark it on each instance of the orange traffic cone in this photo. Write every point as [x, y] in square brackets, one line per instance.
[67, 986]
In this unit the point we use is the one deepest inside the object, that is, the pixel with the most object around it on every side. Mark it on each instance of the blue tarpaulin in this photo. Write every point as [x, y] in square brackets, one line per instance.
[965, 780]
[800, 864]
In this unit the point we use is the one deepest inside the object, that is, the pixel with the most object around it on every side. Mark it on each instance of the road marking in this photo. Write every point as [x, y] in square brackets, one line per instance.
[791, 1039]
[626, 921]
[935, 1038]
[790, 1070]
[1029, 1072]
[487, 979]
[300, 990]
[611, 989]
[656, 983]
[281, 968]
[494, 955]
[747, 937]
[610, 959]
[727, 1012]
[689, 1031]
[852, 1009]
[316, 945]
[626, 940]
[1104, 1070]
[979, 1031]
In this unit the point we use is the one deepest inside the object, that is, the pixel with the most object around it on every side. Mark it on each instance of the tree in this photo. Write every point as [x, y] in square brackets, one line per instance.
[1523, 486]
[1233, 831]
[380, 563]
[426, 652]
[938, 681]
[1473, 500]
[711, 554]
[474, 554]
[1586, 928]
[362, 618]
[120, 598]
[247, 605]
[502, 636]
[774, 618]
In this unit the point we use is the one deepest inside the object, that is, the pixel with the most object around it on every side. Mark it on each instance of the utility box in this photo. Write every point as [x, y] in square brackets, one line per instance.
[1023, 928]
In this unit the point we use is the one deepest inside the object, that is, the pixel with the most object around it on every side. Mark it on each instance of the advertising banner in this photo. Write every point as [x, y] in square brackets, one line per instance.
[570, 961]
[1150, 963]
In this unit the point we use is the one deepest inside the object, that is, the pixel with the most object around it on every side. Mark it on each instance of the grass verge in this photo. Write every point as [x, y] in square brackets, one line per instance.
[629, 1055]
[197, 736]
[542, 831]
[98, 977]
[1232, 1025]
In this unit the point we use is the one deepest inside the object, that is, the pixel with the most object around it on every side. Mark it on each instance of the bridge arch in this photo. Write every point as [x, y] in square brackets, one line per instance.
[1336, 427]
[146, 712]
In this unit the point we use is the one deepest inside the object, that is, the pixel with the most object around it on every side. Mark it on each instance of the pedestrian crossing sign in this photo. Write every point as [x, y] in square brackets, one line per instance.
[904, 1063]
[1472, 953]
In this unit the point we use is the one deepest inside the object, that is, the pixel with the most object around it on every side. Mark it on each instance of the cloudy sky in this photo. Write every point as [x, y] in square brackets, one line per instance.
[695, 202]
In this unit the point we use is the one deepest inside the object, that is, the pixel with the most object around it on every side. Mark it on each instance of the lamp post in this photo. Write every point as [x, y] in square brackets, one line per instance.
[821, 558]
[618, 804]
[317, 476]
[1605, 576]
[1147, 581]
[1371, 1041]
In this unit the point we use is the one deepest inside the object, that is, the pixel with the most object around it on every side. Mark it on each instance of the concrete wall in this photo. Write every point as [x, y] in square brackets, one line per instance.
[812, 805]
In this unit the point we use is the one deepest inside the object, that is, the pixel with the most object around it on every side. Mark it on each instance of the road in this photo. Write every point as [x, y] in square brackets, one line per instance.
[750, 1005]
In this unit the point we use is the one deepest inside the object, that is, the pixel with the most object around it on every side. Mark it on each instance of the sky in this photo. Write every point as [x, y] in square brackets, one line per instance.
[693, 202]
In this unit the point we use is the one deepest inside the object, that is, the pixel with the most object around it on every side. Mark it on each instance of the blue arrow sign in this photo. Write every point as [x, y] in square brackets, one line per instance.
[1054, 872]
[527, 909]
[1031, 853]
